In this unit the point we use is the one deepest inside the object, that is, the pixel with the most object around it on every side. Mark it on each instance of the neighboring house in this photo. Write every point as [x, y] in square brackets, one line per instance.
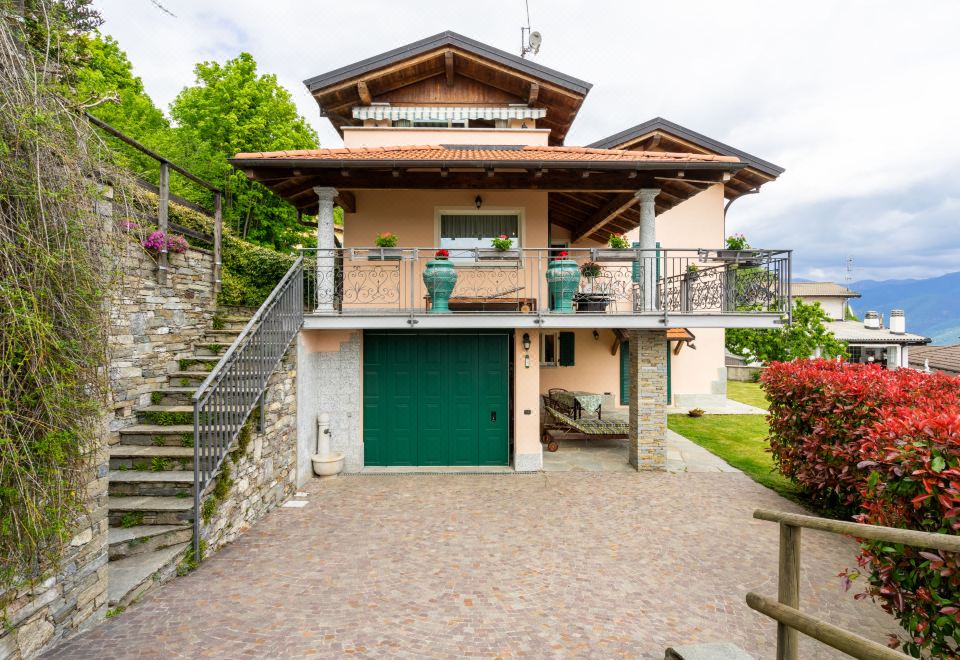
[450, 143]
[945, 359]
[834, 298]
[869, 342]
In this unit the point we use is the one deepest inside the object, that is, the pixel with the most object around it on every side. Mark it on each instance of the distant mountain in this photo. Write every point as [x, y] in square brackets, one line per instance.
[932, 306]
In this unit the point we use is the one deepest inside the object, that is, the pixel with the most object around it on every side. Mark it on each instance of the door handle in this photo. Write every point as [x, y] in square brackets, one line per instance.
[493, 415]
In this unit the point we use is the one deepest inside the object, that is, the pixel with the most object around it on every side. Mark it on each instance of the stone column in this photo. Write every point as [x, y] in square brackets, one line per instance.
[648, 243]
[648, 399]
[325, 249]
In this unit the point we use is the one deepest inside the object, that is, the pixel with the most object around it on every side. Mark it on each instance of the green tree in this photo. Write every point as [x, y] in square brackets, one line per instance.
[799, 340]
[232, 109]
[107, 85]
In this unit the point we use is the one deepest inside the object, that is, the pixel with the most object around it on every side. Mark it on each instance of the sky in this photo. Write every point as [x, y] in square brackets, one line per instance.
[858, 100]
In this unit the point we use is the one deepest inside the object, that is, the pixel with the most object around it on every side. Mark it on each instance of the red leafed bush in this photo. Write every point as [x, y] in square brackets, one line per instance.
[821, 414]
[914, 483]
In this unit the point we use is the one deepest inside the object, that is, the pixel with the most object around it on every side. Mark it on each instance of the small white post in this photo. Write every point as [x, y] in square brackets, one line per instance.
[325, 248]
[648, 243]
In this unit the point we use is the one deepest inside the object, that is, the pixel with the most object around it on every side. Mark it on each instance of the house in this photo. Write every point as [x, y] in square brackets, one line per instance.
[833, 298]
[945, 359]
[870, 342]
[449, 144]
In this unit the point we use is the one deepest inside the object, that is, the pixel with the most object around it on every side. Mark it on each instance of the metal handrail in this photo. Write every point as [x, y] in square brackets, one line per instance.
[226, 397]
[785, 610]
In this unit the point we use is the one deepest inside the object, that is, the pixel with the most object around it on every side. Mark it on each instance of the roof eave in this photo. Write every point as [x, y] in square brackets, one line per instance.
[447, 38]
[659, 123]
[325, 163]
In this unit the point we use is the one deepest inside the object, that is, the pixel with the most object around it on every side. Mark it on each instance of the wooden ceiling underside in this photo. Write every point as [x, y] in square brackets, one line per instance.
[448, 76]
[748, 180]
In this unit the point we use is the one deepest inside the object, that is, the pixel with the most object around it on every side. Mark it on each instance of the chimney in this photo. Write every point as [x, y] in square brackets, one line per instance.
[871, 320]
[898, 322]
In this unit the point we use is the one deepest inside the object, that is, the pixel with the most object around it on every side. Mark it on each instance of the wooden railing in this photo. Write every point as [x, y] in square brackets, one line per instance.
[786, 609]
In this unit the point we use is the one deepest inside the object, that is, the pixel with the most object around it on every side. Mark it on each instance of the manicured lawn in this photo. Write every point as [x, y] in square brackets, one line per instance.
[740, 440]
[749, 393]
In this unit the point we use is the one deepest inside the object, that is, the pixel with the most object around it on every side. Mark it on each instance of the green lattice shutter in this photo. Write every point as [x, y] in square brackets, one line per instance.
[624, 373]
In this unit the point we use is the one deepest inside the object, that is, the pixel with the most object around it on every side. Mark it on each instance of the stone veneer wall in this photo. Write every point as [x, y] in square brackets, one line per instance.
[73, 600]
[648, 393]
[330, 383]
[265, 475]
[153, 326]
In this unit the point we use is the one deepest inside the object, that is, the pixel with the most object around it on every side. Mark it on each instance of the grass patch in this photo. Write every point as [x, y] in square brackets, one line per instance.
[132, 519]
[740, 440]
[115, 611]
[748, 393]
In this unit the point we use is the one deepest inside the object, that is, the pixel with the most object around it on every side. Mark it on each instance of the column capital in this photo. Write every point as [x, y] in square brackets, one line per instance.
[325, 193]
[647, 194]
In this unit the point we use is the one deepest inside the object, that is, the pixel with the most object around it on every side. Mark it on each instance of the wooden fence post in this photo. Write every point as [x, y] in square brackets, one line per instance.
[162, 219]
[788, 639]
[217, 238]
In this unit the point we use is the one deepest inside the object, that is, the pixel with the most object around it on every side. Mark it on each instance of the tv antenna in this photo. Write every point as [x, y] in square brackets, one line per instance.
[849, 275]
[529, 40]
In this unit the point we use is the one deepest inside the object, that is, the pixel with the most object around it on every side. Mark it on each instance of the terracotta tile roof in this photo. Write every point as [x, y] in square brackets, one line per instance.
[486, 153]
[679, 334]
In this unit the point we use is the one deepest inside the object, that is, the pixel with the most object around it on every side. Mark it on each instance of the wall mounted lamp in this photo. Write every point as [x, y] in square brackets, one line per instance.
[478, 202]
[526, 341]
[596, 335]
[526, 347]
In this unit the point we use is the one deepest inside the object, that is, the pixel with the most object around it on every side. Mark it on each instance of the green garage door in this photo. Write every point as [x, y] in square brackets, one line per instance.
[435, 399]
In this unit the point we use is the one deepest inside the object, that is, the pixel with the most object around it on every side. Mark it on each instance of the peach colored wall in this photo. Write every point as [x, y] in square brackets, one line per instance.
[697, 222]
[526, 382]
[328, 341]
[594, 370]
[364, 136]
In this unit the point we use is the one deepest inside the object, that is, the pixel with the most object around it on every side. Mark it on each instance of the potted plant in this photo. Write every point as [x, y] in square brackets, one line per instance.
[738, 251]
[387, 242]
[592, 297]
[502, 248]
[563, 278]
[618, 249]
[693, 273]
[440, 277]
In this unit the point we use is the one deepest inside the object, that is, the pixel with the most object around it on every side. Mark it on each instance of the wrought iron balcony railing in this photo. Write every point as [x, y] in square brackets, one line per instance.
[384, 281]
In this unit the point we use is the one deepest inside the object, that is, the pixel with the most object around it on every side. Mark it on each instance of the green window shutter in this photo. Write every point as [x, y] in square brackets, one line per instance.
[566, 349]
[624, 373]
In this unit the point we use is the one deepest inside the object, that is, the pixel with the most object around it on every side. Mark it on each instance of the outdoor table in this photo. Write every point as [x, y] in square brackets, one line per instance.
[580, 401]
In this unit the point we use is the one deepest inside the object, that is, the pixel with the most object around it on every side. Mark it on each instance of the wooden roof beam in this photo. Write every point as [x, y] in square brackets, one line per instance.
[533, 93]
[448, 66]
[604, 215]
[364, 93]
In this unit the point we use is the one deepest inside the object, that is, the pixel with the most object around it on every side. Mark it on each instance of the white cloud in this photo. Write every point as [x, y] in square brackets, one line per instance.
[857, 99]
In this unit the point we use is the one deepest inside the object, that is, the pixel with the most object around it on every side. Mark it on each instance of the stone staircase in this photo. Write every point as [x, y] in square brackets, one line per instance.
[151, 473]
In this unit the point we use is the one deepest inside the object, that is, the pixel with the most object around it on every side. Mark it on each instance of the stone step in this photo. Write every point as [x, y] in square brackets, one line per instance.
[129, 541]
[186, 378]
[211, 348]
[152, 483]
[178, 435]
[166, 415]
[173, 395]
[139, 457]
[199, 363]
[130, 578]
[141, 510]
[226, 336]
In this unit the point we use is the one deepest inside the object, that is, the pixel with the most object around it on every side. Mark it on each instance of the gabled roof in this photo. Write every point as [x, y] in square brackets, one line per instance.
[446, 69]
[661, 134]
[821, 290]
[447, 38]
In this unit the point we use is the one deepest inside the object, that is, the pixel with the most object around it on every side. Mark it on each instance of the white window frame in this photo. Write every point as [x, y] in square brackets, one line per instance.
[555, 336]
[471, 210]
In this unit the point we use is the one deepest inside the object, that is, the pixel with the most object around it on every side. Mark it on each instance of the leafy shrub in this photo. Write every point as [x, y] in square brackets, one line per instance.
[821, 414]
[618, 242]
[386, 239]
[696, 412]
[882, 447]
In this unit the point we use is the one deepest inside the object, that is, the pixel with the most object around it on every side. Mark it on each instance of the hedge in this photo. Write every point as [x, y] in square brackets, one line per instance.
[881, 447]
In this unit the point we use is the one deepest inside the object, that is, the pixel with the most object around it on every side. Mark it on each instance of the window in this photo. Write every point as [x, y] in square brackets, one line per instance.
[557, 349]
[472, 230]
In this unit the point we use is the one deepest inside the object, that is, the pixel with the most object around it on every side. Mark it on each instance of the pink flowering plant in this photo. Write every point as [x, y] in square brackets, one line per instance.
[155, 242]
[177, 244]
[502, 242]
[737, 242]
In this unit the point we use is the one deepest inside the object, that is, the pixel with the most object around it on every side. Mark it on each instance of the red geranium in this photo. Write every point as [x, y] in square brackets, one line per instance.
[562, 254]
[441, 254]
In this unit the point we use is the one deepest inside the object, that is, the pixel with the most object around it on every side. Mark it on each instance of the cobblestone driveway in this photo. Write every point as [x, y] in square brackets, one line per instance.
[539, 565]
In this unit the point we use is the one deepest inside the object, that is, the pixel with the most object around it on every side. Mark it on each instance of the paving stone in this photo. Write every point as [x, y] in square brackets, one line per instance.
[542, 564]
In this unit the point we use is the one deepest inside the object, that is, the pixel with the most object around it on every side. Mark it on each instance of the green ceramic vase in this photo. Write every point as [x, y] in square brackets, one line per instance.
[563, 277]
[439, 277]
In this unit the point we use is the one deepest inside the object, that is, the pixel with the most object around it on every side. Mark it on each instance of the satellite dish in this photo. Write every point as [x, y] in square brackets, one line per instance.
[535, 40]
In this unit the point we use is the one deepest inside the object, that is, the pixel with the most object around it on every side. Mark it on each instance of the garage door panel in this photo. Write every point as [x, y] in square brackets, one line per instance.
[433, 449]
[494, 413]
[462, 400]
[400, 415]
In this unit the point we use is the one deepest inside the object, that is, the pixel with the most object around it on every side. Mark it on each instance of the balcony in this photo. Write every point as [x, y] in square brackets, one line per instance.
[700, 287]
